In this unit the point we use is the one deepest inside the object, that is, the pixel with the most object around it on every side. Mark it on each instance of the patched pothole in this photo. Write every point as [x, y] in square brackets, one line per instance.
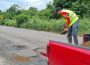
[22, 59]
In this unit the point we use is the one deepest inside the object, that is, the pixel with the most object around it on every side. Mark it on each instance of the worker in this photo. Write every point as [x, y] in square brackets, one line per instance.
[72, 22]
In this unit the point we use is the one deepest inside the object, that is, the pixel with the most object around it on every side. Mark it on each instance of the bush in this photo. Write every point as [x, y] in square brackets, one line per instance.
[20, 19]
[84, 26]
[45, 25]
[10, 23]
[2, 21]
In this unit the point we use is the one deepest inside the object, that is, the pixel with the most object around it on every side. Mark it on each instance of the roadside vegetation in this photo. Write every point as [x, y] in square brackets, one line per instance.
[47, 20]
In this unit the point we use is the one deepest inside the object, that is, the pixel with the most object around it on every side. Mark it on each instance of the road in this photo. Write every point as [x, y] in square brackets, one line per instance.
[20, 46]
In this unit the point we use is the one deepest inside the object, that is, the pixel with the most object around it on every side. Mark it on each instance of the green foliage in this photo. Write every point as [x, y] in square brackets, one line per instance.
[32, 9]
[10, 23]
[13, 9]
[30, 13]
[46, 14]
[8, 16]
[20, 19]
[0, 11]
[84, 26]
[81, 7]
[63, 3]
[2, 21]
[45, 25]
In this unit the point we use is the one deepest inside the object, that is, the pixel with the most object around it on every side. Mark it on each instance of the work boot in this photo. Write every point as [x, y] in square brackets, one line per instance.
[76, 40]
[69, 38]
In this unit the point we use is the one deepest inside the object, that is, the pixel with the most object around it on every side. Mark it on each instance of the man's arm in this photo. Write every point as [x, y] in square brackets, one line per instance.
[67, 25]
[67, 22]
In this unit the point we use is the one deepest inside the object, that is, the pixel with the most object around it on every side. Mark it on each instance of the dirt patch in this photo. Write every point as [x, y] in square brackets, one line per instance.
[86, 44]
[22, 59]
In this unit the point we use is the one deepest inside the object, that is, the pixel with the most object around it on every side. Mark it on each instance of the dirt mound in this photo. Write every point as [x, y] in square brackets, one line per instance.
[86, 44]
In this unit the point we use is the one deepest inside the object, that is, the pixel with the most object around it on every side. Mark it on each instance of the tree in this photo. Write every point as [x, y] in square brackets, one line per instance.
[0, 11]
[13, 9]
[20, 19]
[32, 11]
[47, 13]
[81, 7]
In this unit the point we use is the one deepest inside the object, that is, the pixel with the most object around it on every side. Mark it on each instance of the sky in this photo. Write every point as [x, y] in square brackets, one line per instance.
[24, 4]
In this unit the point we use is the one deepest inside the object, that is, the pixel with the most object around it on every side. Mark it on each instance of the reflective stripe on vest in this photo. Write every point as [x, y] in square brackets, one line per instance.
[73, 18]
[73, 21]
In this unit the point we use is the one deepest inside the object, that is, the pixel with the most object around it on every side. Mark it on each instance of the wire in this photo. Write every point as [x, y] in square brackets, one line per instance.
[35, 2]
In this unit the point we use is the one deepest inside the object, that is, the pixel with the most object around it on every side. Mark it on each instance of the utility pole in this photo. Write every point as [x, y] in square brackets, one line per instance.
[52, 1]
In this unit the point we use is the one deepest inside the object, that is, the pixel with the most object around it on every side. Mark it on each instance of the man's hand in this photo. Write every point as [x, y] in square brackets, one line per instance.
[65, 31]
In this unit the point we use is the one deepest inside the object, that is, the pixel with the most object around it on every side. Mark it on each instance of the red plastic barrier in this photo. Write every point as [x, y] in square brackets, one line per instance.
[64, 54]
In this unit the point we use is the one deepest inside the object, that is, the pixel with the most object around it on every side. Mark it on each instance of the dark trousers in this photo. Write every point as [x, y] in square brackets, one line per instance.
[72, 31]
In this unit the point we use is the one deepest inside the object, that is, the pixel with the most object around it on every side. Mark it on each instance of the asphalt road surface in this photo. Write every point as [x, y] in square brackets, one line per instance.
[21, 46]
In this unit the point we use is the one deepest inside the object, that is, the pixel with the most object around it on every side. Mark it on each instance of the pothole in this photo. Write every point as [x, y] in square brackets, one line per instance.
[22, 59]
[19, 47]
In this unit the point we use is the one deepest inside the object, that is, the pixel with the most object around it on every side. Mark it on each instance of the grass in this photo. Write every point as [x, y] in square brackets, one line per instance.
[45, 25]
[10, 23]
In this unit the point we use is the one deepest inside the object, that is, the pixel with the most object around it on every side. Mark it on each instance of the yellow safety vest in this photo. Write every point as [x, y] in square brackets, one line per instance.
[72, 15]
